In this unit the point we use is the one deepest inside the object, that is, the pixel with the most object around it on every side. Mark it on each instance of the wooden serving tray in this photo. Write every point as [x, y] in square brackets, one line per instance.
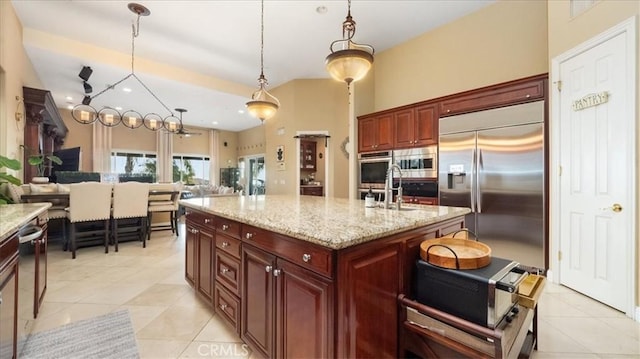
[530, 289]
[455, 253]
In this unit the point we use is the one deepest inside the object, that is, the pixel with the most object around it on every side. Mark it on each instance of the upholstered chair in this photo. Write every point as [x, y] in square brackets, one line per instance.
[130, 200]
[89, 202]
[167, 203]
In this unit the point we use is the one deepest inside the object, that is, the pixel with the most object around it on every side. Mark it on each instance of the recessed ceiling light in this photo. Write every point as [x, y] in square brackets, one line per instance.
[119, 108]
[214, 122]
[321, 9]
[241, 111]
[69, 98]
[70, 107]
[126, 89]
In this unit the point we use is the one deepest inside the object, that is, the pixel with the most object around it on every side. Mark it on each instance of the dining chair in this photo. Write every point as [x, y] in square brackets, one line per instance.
[130, 200]
[167, 203]
[89, 202]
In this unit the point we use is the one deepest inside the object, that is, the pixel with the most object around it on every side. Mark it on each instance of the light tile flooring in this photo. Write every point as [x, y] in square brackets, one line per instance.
[172, 322]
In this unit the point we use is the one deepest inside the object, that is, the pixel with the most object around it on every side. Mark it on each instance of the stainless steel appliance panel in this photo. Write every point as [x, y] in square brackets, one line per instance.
[455, 174]
[510, 184]
[373, 168]
[419, 162]
[496, 157]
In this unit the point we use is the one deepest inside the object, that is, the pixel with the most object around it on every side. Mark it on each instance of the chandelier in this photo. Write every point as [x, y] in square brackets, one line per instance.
[86, 114]
[352, 61]
[263, 105]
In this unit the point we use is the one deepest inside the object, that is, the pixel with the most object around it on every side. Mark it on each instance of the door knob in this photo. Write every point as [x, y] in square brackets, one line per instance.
[616, 208]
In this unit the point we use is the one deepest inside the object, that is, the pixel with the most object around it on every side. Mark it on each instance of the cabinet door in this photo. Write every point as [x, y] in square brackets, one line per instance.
[191, 241]
[304, 325]
[404, 128]
[206, 246]
[426, 125]
[8, 311]
[385, 131]
[367, 134]
[40, 269]
[258, 300]
[308, 155]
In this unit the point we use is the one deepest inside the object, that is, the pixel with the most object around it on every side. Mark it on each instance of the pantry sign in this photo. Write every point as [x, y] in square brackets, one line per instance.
[590, 100]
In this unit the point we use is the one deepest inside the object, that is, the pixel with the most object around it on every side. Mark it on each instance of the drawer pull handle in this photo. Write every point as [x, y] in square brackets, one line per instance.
[194, 231]
[223, 307]
[225, 227]
[225, 244]
[224, 270]
[268, 269]
[276, 272]
[306, 257]
[187, 212]
[249, 235]
[207, 220]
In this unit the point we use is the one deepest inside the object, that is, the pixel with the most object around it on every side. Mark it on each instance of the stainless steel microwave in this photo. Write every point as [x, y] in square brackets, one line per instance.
[417, 162]
[373, 167]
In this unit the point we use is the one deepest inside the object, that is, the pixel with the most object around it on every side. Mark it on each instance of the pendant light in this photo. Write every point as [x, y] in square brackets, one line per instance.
[263, 105]
[352, 61]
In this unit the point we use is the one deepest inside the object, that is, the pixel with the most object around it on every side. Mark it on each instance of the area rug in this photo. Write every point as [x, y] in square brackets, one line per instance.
[107, 336]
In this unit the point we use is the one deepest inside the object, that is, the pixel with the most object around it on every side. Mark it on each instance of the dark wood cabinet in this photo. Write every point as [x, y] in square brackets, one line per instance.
[308, 155]
[40, 250]
[206, 250]
[432, 201]
[376, 132]
[292, 302]
[510, 93]
[426, 125]
[312, 190]
[200, 253]
[9, 297]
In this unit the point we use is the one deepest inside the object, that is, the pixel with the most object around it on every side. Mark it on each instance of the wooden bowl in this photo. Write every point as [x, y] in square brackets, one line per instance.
[455, 253]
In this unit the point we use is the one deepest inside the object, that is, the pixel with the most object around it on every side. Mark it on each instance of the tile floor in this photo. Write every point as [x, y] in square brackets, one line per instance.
[172, 322]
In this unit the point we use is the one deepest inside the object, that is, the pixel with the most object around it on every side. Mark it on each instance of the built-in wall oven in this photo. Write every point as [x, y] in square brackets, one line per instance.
[373, 167]
[417, 162]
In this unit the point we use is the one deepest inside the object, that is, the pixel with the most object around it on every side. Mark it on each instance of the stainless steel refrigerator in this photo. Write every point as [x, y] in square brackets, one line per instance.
[493, 162]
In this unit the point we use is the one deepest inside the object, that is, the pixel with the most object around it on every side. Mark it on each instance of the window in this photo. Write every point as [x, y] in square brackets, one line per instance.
[191, 169]
[134, 163]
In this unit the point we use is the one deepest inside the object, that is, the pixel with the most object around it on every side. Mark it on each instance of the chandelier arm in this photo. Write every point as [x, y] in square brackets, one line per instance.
[262, 40]
[111, 87]
[152, 94]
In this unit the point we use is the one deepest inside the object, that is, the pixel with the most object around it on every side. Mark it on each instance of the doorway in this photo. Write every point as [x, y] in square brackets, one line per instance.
[593, 237]
[313, 156]
[252, 174]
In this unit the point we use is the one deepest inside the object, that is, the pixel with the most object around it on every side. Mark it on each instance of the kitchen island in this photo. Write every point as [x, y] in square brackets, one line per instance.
[305, 276]
[17, 311]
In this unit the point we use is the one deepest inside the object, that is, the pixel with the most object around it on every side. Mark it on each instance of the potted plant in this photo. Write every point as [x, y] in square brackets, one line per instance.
[39, 160]
[7, 178]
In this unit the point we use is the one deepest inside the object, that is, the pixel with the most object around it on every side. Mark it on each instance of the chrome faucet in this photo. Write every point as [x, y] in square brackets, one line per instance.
[388, 188]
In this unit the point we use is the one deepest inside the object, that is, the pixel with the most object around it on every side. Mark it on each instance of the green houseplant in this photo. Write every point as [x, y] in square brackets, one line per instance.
[7, 178]
[39, 161]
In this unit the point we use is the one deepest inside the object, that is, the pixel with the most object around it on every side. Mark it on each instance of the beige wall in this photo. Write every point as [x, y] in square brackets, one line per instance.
[501, 42]
[228, 153]
[79, 135]
[567, 33]
[192, 145]
[251, 141]
[307, 105]
[16, 71]
[125, 138]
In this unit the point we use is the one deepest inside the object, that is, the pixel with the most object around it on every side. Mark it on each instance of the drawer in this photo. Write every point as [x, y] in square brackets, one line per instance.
[228, 227]
[228, 244]
[228, 272]
[199, 218]
[8, 250]
[305, 254]
[227, 306]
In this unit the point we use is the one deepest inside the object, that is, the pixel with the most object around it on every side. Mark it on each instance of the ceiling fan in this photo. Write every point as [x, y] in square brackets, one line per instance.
[181, 130]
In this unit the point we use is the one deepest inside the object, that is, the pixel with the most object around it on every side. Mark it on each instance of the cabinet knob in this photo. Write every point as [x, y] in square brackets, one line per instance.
[187, 212]
[306, 257]
[223, 307]
[268, 269]
[276, 272]
[224, 270]
[0, 298]
[448, 111]
[527, 96]
[193, 230]
[207, 220]
[225, 244]
[249, 235]
[225, 227]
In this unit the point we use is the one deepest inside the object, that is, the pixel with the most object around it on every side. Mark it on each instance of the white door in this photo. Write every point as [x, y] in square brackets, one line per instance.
[596, 183]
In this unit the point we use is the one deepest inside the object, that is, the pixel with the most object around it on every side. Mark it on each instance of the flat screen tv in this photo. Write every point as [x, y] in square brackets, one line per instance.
[70, 161]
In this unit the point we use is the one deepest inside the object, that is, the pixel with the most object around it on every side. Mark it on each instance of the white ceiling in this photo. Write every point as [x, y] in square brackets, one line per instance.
[215, 43]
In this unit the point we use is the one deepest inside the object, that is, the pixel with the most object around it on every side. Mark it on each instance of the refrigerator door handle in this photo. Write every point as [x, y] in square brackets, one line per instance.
[478, 193]
[472, 180]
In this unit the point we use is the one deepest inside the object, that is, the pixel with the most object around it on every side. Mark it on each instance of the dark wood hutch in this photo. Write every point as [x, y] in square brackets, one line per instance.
[44, 129]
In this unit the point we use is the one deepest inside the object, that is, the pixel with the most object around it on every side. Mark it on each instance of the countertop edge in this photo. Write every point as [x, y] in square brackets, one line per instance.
[33, 210]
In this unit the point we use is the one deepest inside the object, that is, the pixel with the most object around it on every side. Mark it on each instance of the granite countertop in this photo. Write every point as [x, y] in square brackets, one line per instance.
[310, 185]
[14, 216]
[331, 222]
